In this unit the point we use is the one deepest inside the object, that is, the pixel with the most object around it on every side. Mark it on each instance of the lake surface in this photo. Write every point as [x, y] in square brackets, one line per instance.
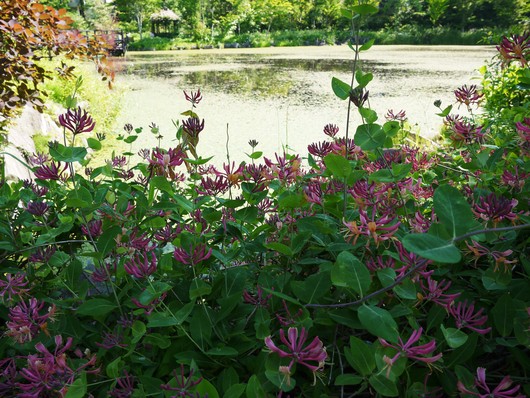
[282, 96]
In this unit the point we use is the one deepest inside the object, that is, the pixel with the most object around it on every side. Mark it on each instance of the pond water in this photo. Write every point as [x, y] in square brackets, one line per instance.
[282, 96]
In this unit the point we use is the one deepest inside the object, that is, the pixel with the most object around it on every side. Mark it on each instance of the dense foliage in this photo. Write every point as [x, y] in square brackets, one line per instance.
[367, 268]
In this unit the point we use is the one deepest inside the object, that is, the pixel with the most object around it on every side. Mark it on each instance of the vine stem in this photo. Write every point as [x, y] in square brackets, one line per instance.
[483, 231]
[362, 300]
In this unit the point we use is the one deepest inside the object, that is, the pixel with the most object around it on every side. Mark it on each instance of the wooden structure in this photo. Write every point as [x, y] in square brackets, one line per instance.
[164, 23]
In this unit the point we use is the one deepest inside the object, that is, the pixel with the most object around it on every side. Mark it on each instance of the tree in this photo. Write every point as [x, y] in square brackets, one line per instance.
[30, 31]
[436, 9]
[136, 11]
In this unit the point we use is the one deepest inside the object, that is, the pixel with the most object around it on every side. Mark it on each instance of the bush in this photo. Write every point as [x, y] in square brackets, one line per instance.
[368, 268]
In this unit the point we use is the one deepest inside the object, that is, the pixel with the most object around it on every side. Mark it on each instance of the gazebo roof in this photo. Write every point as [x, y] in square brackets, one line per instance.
[164, 14]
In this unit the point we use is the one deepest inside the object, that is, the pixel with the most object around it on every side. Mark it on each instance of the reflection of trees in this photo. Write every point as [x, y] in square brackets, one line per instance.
[244, 81]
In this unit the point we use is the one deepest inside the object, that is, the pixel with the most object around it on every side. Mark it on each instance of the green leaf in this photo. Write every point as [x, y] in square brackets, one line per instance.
[383, 386]
[160, 340]
[463, 354]
[254, 388]
[369, 136]
[78, 388]
[406, 290]
[93, 144]
[130, 139]
[454, 211]
[235, 391]
[201, 328]
[313, 288]
[363, 78]
[164, 319]
[255, 155]
[341, 89]
[291, 200]
[339, 166]
[454, 337]
[361, 356]
[432, 248]
[366, 46]
[365, 9]
[223, 352]
[138, 330]
[67, 154]
[199, 288]
[369, 115]
[106, 242]
[113, 369]
[446, 111]
[378, 322]
[96, 307]
[206, 389]
[280, 248]
[282, 296]
[349, 272]
[280, 380]
[391, 128]
[348, 380]
[503, 315]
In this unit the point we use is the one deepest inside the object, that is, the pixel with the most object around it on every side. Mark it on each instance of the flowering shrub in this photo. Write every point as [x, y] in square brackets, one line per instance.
[369, 268]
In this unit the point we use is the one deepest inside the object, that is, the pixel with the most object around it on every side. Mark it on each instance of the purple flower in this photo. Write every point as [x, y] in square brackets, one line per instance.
[111, 340]
[124, 387]
[26, 320]
[331, 130]
[193, 126]
[183, 384]
[212, 187]
[231, 172]
[515, 180]
[13, 286]
[418, 352]
[51, 172]
[315, 351]
[466, 132]
[168, 233]
[163, 162]
[103, 272]
[320, 149]
[503, 390]
[401, 116]
[468, 95]
[194, 97]
[435, 291]
[193, 257]
[119, 161]
[358, 96]
[42, 254]
[379, 229]
[140, 266]
[258, 299]
[77, 121]
[495, 208]
[93, 229]
[347, 148]
[515, 47]
[38, 159]
[150, 307]
[465, 316]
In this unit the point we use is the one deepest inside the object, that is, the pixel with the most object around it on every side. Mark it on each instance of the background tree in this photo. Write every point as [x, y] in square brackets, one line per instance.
[436, 9]
[135, 12]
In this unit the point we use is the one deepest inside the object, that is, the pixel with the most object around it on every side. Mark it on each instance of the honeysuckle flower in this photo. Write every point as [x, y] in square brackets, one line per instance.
[193, 126]
[495, 208]
[184, 384]
[194, 97]
[503, 390]
[313, 192]
[515, 47]
[150, 307]
[435, 291]
[358, 96]
[232, 173]
[124, 387]
[128, 127]
[419, 352]
[253, 143]
[168, 233]
[468, 95]
[119, 161]
[111, 340]
[103, 273]
[53, 171]
[195, 256]
[400, 116]
[13, 286]
[37, 208]
[347, 148]
[467, 133]
[258, 299]
[77, 121]
[465, 316]
[419, 223]
[320, 149]
[515, 179]
[379, 229]
[331, 130]
[286, 168]
[26, 320]
[213, 187]
[313, 352]
[42, 254]
[289, 319]
[38, 159]
[93, 229]
[140, 266]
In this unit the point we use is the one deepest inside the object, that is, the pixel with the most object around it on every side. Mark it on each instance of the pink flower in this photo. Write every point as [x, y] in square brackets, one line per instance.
[515, 47]
[194, 97]
[51, 172]
[13, 286]
[26, 320]
[418, 352]
[465, 316]
[401, 116]
[502, 390]
[193, 126]
[258, 299]
[193, 257]
[184, 384]
[435, 291]
[495, 208]
[468, 95]
[93, 229]
[331, 130]
[315, 351]
[320, 149]
[124, 387]
[77, 121]
[140, 266]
